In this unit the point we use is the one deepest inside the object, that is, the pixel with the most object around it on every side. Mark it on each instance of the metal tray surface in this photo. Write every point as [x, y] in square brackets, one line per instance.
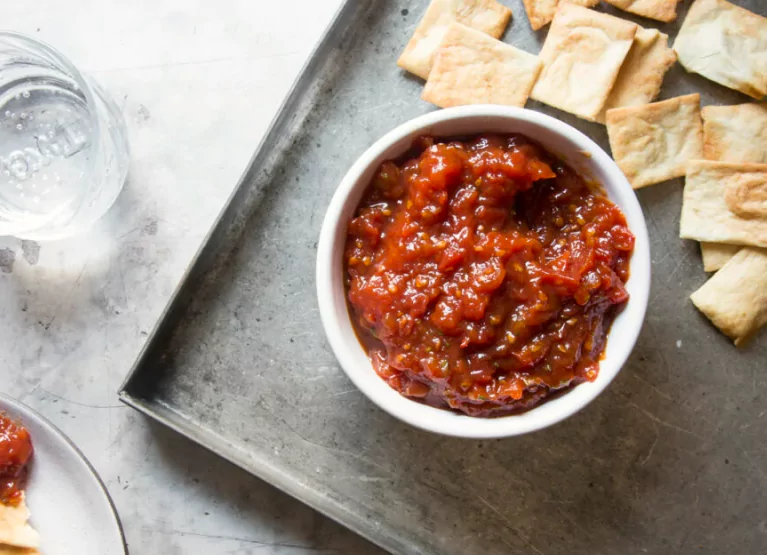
[671, 458]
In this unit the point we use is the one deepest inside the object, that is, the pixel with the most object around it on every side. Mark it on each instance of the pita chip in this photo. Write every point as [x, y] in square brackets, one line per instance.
[652, 143]
[541, 12]
[727, 44]
[716, 255]
[725, 202]
[732, 134]
[641, 75]
[15, 530]
[474, 68]
[10, 550]
[735, 298]
[662, 10]
[487, 16]
[735, 133]
[581, 58]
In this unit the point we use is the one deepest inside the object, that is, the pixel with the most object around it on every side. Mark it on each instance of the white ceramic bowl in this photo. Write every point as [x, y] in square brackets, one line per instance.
[557, 137]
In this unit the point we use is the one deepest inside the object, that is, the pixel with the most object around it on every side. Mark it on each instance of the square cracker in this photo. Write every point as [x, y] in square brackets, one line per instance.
[727, 44]
[8, 550]
[541, 12]
[662, 10]
[653, 142]
[581, 59]
[641, 75]
[735, 298]
[725, 202]
[487, 16]
[735, 133]
[14, 527]
[732, 134]
[473, 68]
[716, 255]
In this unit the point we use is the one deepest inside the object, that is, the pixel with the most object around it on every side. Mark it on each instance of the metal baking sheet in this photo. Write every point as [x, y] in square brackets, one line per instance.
[671, 458]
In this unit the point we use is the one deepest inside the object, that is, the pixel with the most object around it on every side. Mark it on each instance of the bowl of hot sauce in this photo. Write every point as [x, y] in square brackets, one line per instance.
[483, 271]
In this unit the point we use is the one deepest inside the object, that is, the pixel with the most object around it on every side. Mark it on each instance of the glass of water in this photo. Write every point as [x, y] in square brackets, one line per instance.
[63, 144]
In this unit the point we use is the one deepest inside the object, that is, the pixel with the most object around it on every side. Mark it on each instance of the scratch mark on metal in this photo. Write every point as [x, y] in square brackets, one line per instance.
[327, 447]
[753, 464]
[345, 392]
[657, 420]
[509, 524]
[257, 543]
[652, 447]
[655, 389]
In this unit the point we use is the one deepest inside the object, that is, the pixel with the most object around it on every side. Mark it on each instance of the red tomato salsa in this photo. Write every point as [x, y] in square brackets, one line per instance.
[15, 452]
[485, 274]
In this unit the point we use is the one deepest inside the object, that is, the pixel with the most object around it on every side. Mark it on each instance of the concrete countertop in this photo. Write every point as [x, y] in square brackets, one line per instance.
[198, 82]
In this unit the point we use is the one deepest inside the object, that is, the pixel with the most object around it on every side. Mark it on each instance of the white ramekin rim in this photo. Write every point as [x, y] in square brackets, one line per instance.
[332, 297]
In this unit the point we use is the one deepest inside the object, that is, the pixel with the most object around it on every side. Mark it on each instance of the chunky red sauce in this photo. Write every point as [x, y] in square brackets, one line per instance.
[485, 274]
[15, 452]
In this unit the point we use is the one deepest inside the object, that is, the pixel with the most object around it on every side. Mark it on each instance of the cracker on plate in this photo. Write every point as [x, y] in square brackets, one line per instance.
[487, 16]
[581, 58]
[541, 12]
[735, 133]
[473, 68]
[735, 298]
[727, 44]
[15, 530]
[725, 202]
[9, 550]
[652, 143]
[716, 255]
[662, 10]
[641, 75]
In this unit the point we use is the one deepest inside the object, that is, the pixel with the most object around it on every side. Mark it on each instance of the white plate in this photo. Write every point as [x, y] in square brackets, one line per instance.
[69, 505]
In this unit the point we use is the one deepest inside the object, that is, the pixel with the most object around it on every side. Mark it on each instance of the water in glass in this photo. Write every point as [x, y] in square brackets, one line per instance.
[63, 147]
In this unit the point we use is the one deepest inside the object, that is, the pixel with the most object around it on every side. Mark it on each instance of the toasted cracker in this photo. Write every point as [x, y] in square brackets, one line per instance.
[10, 550]
[735, 298]
[474, 68]
[735, 133]
[732, 134]
[716, 255]
[487, 16]
[641, 75]
[541, 12]
[15, 530]
[725, 202]
[581, 59]
[662, 10]
[652, 143]
[746, 197]
[727, 44]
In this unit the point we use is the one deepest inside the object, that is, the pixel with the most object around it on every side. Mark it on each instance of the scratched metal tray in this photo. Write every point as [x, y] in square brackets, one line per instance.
[671, 458]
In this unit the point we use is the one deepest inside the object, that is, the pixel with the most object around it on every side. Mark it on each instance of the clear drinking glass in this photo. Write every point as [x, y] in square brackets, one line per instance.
[63, 144]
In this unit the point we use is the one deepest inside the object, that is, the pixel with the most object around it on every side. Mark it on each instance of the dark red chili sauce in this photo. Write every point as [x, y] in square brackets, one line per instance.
[485, 273]
[15, 452]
